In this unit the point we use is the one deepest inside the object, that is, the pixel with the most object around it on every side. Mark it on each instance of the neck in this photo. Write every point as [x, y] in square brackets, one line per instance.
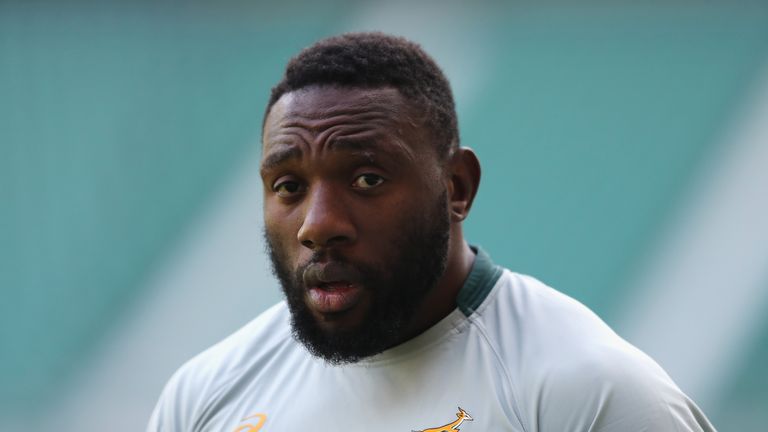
[442, 299]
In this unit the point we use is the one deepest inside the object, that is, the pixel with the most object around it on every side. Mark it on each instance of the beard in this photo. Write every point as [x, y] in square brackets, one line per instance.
[397, 287]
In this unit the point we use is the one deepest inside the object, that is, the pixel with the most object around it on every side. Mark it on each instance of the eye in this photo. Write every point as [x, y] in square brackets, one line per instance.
[367, 181]
[287, 188]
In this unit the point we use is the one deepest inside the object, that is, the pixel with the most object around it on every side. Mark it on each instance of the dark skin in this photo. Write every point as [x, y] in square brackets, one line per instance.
[344, 169]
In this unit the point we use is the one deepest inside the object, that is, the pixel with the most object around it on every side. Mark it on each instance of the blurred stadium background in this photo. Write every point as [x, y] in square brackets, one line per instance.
[625, 155]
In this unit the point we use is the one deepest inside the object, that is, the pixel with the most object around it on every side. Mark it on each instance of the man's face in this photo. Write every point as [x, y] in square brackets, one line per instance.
[356, 219]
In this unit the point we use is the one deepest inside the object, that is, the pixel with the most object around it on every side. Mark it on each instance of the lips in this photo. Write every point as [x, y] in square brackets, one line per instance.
[332, 287]
[334, 297]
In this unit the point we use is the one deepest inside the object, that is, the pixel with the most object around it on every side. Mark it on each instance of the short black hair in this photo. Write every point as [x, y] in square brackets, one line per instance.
[371, 60]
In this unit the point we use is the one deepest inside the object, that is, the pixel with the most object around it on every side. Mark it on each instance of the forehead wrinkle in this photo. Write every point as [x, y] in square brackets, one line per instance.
[285, 131]
[319, 123]
[368, 144]
[367, 127]
[376, 121]
[284, 143]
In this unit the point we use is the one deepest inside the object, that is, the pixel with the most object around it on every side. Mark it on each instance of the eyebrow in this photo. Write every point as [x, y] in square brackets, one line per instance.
[285, 154]
[280, 156]
[365, 147]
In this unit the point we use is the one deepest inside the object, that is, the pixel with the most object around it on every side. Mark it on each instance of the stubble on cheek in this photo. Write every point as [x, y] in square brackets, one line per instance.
[276, 251]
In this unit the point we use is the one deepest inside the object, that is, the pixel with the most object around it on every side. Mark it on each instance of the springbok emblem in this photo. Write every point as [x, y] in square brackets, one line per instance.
[453, 426]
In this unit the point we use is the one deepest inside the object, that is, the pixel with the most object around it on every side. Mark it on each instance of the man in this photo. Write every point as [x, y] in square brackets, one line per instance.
[392, 321]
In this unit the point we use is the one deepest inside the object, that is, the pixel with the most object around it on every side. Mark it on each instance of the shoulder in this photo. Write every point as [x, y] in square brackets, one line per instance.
[248, 345]
[528, 317]
[611, 388]
[197, 382]
[571, 371]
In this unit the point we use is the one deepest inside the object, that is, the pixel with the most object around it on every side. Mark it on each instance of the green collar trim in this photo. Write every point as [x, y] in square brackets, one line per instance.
[479, 283]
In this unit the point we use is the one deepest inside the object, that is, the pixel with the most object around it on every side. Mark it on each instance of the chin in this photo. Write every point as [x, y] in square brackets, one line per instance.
[338, 323]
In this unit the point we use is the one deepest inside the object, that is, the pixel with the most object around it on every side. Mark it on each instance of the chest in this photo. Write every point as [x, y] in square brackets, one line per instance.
[443, 389]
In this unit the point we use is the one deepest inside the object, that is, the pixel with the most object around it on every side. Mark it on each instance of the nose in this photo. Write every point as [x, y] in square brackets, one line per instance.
[327, 221]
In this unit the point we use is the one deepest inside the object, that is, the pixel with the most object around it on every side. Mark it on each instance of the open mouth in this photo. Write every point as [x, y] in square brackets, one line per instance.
[333, 297]
[332, 287]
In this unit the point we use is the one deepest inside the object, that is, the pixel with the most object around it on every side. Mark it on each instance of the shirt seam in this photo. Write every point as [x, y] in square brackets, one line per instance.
[474, 321]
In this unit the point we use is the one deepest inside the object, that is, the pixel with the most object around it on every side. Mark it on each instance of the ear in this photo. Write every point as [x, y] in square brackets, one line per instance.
[464, 179]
